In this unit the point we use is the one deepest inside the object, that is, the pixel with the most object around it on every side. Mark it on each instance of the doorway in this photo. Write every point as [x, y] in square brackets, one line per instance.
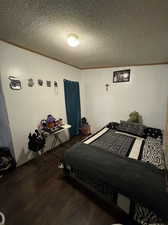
[73, 108]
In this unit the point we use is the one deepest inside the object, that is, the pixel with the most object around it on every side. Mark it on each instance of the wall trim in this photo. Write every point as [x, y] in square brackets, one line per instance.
[38, 53]
[128, 65]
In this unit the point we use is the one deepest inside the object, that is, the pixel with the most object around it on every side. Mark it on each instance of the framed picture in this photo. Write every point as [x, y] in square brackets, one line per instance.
[40, 82]
[121, 76]
[30, 82]
[48, 82]
[14, 84]
[55, 84]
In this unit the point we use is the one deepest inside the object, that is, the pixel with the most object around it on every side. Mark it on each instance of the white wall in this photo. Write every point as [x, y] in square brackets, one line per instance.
[28, 106]
[145, 93]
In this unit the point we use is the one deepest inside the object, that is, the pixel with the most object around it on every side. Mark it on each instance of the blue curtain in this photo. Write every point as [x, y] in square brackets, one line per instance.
[72, 102]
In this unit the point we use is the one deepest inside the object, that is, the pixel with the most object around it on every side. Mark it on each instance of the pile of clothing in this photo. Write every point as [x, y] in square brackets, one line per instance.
[7, 162]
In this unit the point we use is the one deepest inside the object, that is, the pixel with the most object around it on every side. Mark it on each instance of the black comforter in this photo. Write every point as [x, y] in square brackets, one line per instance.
[137, 180]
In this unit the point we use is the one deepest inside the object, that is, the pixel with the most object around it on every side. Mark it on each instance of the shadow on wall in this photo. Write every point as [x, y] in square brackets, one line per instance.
[5, 134]
[25, 155]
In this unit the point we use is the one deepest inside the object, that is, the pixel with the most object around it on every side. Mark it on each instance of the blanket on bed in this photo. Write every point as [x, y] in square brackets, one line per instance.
[135, 179]
[115, 142]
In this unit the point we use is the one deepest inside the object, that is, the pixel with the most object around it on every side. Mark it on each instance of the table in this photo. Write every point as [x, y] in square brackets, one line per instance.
[56, 135]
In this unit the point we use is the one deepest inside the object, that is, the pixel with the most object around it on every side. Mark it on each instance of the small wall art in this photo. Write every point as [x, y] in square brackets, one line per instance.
[30, 82]
[107, 87]
[55, 84]
[48, 82]
[40, 82]
[121, 76]
[15, 84]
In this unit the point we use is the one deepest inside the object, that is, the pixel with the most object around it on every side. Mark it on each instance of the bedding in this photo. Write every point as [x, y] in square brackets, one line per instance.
[116, 143]
[131, 127]
[153, 132]
[111, 140]
[124, 175]
[152, 153]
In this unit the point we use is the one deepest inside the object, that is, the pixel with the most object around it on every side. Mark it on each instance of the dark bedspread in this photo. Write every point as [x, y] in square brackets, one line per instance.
[137, 180]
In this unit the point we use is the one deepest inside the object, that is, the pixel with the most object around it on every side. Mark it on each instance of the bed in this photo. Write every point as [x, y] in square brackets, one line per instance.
[120, 163]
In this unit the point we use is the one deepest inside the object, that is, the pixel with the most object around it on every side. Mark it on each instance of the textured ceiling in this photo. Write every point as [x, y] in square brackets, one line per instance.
[111, 32]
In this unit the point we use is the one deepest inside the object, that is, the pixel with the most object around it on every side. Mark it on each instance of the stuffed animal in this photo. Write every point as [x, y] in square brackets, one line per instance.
[135, 117]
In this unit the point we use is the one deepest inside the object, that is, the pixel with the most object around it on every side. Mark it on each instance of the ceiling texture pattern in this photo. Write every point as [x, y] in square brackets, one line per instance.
[111, 32]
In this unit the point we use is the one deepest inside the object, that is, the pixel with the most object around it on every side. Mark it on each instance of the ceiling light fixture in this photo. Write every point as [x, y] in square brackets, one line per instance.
[73, 40]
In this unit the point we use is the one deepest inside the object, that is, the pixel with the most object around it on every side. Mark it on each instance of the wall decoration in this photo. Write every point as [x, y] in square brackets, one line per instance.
[30, 82]
[48, 82]
[121, 76]
[107, 87]
[56, 87]
[55, 84]
[14, 84]
[40, 82]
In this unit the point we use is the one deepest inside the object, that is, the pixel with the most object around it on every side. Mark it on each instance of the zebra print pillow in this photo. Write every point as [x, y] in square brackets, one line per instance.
[153, 152]
[145, 216]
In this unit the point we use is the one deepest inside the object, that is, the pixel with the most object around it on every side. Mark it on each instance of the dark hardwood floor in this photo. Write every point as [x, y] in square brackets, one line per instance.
[38, 194]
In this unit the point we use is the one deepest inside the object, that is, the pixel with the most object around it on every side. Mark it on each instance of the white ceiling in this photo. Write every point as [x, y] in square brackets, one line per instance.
[111, 32]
